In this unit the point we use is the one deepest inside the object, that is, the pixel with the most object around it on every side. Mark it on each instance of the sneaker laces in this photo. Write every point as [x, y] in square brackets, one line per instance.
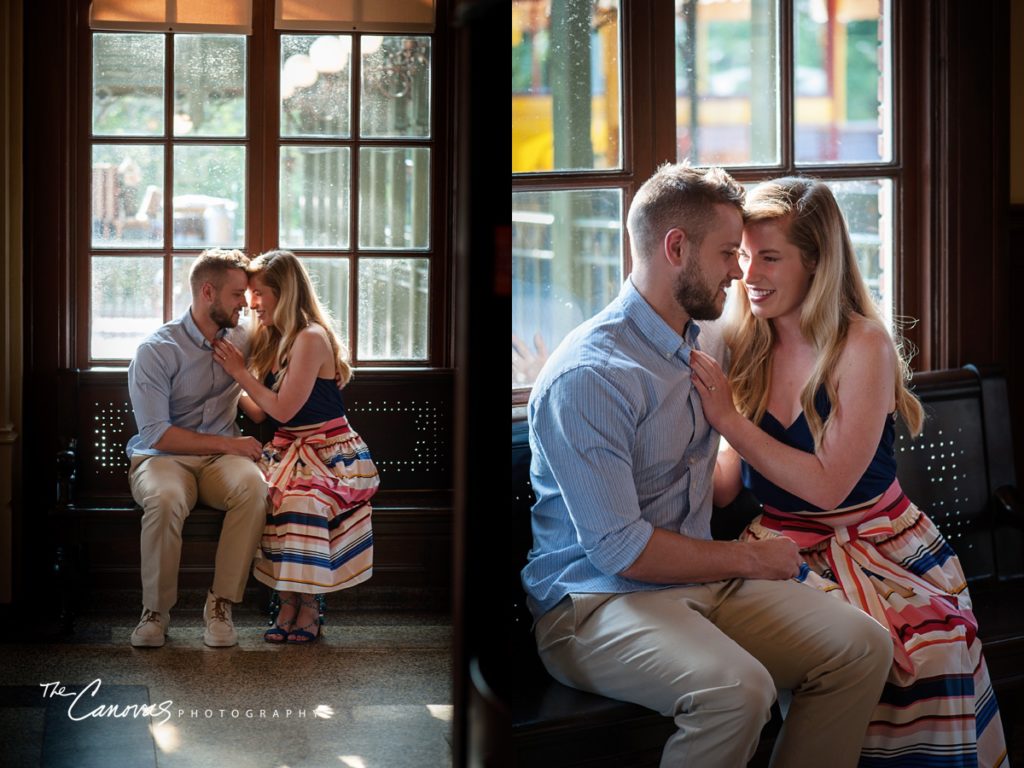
[219, 609]
[149, 616]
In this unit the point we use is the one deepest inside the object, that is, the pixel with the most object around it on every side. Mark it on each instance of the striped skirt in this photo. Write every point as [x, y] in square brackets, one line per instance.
[888, 558]
[318, 536]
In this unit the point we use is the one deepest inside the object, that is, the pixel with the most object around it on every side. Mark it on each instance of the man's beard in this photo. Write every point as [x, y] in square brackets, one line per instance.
[221, 318]
[693, 293]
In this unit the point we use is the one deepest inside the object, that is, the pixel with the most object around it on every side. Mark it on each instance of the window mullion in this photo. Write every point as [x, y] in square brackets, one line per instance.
[787, 85]
[168, 244]
[355, 131]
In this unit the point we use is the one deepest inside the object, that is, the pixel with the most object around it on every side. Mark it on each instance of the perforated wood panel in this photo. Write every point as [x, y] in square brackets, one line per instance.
[405, 419]
[409, 438]
[943, 472]
[113, 424]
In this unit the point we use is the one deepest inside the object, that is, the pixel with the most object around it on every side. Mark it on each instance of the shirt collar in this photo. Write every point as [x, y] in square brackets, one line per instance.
[193, 332]
[660, 335]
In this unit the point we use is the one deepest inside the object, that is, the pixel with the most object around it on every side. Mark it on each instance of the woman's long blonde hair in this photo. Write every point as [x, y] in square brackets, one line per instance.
[297, 308]
[837, 293]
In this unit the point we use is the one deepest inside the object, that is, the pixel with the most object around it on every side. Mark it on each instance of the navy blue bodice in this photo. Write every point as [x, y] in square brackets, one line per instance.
[876, 478]
[324, 403]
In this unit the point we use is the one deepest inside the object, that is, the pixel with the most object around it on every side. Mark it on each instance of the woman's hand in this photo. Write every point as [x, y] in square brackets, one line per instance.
[230, 359]
[714, 390]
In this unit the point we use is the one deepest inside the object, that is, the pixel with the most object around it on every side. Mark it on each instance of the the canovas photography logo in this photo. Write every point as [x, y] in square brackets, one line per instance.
[82, 705]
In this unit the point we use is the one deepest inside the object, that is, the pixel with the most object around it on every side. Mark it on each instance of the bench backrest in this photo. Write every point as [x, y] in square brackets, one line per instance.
[950, 471]
[408, 430]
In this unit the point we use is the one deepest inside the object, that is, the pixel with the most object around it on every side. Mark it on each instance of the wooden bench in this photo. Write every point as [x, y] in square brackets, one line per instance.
[959, 470]
[95, 521]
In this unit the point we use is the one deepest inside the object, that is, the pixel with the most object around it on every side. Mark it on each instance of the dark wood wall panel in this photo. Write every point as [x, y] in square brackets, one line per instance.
[1015, 361]
[412, 551]
[971, 289]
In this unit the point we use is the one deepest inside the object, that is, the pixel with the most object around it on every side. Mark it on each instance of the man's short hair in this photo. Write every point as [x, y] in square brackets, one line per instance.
[212, 264]
[678, 195]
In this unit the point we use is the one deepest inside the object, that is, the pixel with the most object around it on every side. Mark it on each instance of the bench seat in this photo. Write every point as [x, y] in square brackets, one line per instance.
[960, 471]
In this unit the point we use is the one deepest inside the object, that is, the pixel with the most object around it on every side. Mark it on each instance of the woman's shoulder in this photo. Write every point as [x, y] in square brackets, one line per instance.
[314, 334]
[868, 344]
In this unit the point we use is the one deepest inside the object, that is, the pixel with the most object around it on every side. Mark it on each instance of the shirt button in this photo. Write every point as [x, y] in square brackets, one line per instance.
[668, 355]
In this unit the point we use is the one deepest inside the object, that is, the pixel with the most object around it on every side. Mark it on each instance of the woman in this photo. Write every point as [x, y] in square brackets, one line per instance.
[810, 351]
[318, 537]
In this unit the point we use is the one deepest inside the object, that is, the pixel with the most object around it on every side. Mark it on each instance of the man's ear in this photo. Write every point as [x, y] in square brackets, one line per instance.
[208, 292]
[674, 246]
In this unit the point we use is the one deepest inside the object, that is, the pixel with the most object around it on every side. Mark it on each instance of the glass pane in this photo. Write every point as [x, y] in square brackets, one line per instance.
[314, 197]
[867, 206]
[209, 85]
[393, 296]
[127, 84]
[843, 105]
[727, 92]
[566, 83]
[127, 195]
[395, 94]
[566, 266]
[394, 198]
[127, 304]
[209, 196]
[181, 291]
[330, 281]
[315, 85]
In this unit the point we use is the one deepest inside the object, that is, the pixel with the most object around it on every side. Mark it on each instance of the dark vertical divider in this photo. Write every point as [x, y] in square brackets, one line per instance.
[483, 309]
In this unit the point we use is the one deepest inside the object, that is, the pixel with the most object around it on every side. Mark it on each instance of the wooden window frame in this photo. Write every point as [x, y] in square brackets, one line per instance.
[263, 142]
[649, 138]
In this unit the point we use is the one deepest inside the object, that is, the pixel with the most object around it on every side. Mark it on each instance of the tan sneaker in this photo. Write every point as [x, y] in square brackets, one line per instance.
[152, 629]
[220, 630]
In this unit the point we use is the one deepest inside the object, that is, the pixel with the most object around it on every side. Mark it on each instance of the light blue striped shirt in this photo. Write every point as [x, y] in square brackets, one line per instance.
[174, 380]
[619, 446]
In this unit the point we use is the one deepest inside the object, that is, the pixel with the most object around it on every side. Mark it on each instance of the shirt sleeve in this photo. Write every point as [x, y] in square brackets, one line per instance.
[149, 387]
[586, 428]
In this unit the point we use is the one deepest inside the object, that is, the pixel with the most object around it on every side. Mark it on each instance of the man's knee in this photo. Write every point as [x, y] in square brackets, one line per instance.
[165, 504]
[867, 645]
[743, 693]
[163, 488]
[242, 486]
[879, 649]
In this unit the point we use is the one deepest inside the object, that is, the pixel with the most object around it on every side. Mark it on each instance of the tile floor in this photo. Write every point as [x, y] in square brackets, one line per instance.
[375, 692]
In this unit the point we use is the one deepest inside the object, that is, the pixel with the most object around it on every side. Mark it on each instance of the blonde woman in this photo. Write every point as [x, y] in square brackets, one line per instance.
[318, 537]
[808, 410]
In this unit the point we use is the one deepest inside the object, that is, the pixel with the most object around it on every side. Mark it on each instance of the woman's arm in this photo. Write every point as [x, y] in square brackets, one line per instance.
[727, 481]
[307, 356]
[865, 378]
[250, 409]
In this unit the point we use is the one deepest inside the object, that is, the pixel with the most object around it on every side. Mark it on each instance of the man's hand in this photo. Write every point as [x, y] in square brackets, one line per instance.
[775, 559]
[244, 446]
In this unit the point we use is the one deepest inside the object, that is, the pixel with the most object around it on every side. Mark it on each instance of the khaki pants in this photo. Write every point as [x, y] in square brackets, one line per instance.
[167, 487]
[712, 656]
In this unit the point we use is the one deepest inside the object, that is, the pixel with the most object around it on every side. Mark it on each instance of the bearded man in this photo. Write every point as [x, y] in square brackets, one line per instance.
[630, 596]
[189, 449]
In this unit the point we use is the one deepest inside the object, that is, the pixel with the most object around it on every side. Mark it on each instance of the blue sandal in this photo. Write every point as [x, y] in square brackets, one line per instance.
[277, 633]
[303, 637]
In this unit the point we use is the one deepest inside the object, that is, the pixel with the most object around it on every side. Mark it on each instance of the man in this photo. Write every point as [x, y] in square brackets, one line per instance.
[631, 597]
[189, 449]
